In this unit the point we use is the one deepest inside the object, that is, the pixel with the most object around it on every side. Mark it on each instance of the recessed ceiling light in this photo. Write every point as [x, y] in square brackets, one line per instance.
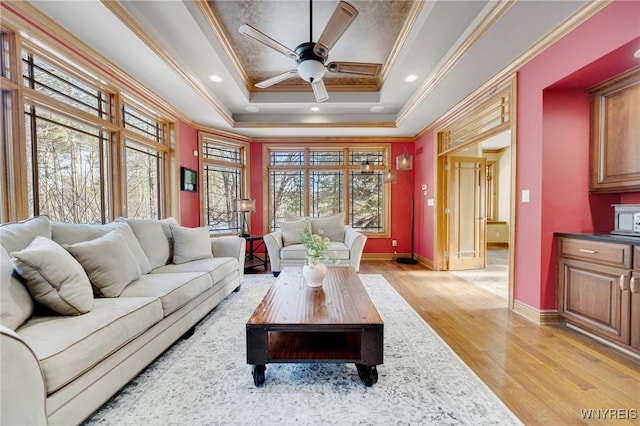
[215, 78]
[251, 108]
[637, 54]
[410, 78]
[315, 109]
[377, 108]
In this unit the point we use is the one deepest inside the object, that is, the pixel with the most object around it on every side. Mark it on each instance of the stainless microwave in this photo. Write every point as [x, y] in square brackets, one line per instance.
[627, 219]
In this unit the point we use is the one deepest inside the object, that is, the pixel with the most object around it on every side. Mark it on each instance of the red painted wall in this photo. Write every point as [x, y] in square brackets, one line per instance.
[553, 141]
[425, 174]
[189, 201]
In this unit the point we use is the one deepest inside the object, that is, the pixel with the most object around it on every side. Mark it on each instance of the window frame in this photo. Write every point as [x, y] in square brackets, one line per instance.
[13, 184]
[243, 166]
[346, 167]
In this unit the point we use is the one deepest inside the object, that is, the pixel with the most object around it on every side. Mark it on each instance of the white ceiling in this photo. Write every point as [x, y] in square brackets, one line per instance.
[170, 47]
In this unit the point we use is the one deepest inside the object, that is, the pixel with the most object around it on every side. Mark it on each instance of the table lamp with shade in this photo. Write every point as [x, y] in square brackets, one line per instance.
[244, 206]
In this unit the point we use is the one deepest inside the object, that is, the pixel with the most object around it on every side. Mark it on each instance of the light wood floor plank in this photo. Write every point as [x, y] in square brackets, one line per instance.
[544, 374]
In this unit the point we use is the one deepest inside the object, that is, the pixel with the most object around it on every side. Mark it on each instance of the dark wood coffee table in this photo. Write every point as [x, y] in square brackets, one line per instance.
[333, 323]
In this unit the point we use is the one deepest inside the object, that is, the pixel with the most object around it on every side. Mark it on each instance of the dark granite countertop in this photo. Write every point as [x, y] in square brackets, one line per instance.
[609, 238]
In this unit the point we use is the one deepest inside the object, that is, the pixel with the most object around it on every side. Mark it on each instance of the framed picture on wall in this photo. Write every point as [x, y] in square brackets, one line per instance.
[188, 179]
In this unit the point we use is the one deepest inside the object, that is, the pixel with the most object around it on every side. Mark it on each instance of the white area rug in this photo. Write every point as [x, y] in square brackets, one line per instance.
[205, 380]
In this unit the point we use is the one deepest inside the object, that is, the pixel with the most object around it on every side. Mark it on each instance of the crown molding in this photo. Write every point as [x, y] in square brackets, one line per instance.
[130, 22]
[498, 10]
[571, 23]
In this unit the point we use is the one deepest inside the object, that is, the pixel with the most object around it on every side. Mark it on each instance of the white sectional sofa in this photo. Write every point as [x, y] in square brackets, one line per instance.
[84, 308]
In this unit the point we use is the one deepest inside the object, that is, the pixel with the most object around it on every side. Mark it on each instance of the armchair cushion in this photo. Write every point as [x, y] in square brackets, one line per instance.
[332, 226]
[292, 231]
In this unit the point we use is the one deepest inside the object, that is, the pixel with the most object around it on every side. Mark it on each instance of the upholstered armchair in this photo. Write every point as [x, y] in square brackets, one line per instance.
[286, 249]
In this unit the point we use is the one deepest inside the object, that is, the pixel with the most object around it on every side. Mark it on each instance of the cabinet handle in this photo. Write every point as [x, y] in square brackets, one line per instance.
[588, 251]
[623, 287]
[634, 289]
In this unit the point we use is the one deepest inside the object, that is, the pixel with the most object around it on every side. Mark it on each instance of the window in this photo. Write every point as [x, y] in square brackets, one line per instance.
[144, 163]
[322, 181]
[224, 180]
[65, 166]
[81, 166]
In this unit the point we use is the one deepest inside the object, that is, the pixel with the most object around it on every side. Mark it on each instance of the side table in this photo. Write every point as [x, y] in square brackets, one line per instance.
[253, 259]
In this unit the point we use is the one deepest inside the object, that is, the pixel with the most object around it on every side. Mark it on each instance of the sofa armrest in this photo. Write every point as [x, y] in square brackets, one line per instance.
[22, 387]
[230, 246]
[355, 241]
[273, 241]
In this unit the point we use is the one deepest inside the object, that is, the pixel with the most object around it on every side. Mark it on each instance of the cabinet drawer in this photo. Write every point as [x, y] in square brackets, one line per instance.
[596, 251]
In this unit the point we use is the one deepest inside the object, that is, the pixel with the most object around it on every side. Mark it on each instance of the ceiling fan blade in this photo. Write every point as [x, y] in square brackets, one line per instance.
[319, 91]
[251, 32]
[360, 68]
[277, 79]
[337, 25]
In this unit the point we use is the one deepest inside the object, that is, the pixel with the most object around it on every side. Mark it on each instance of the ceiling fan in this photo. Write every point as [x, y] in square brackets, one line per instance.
[311, 57]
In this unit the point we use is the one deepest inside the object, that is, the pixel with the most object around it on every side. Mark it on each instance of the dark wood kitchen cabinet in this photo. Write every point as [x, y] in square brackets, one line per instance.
[615, 134]
[597, 288]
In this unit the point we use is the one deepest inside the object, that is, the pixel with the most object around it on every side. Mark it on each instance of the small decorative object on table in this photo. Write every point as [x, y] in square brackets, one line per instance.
[314, 270]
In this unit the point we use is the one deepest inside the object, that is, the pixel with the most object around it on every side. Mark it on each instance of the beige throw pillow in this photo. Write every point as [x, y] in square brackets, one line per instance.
[109, 263]
[54, 278]
[331, 226]
[154, 237]
[16, 304]
[292, 231]
[190, 244]
[123, 229]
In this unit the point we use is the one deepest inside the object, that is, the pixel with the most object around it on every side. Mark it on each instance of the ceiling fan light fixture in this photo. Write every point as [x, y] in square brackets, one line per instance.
[311, 70]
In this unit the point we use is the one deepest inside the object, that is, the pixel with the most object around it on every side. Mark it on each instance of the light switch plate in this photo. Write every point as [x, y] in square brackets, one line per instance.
[525, 195]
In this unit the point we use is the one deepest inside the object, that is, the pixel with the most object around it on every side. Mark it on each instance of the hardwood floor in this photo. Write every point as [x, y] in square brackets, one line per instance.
[547, 375]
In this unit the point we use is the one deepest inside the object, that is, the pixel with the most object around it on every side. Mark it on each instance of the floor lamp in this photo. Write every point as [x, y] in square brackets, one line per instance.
[404, 163]
[244, 206]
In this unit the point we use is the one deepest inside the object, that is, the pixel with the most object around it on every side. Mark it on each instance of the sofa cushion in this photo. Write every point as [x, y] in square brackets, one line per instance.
[109, 263]
[155, 238]
[173, 290]
[218, 267]
[53, 277]
[72, 233]
[68, 346]
[298, 251]
[331, 226]
[17, 235]
[292, 231]
[190, 244]
[16, 305]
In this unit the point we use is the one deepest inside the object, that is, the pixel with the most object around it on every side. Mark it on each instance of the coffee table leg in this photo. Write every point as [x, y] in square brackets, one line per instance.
[368, 374]
[258, 374]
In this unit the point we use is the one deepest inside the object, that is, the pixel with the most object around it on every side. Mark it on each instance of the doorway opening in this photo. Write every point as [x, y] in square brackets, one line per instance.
[476, 192]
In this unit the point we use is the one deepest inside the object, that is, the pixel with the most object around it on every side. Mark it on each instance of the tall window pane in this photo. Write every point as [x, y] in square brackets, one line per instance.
[222, 186]
[326, 196]
[224, 172]
[67, 162]
[287, 194]
[366, 195]
[143, 176]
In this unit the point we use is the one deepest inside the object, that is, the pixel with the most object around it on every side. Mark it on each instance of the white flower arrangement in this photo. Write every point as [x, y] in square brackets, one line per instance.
[316, 245]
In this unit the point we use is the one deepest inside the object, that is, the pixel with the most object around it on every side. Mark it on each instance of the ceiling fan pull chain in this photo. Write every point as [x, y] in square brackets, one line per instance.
[310, 21]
